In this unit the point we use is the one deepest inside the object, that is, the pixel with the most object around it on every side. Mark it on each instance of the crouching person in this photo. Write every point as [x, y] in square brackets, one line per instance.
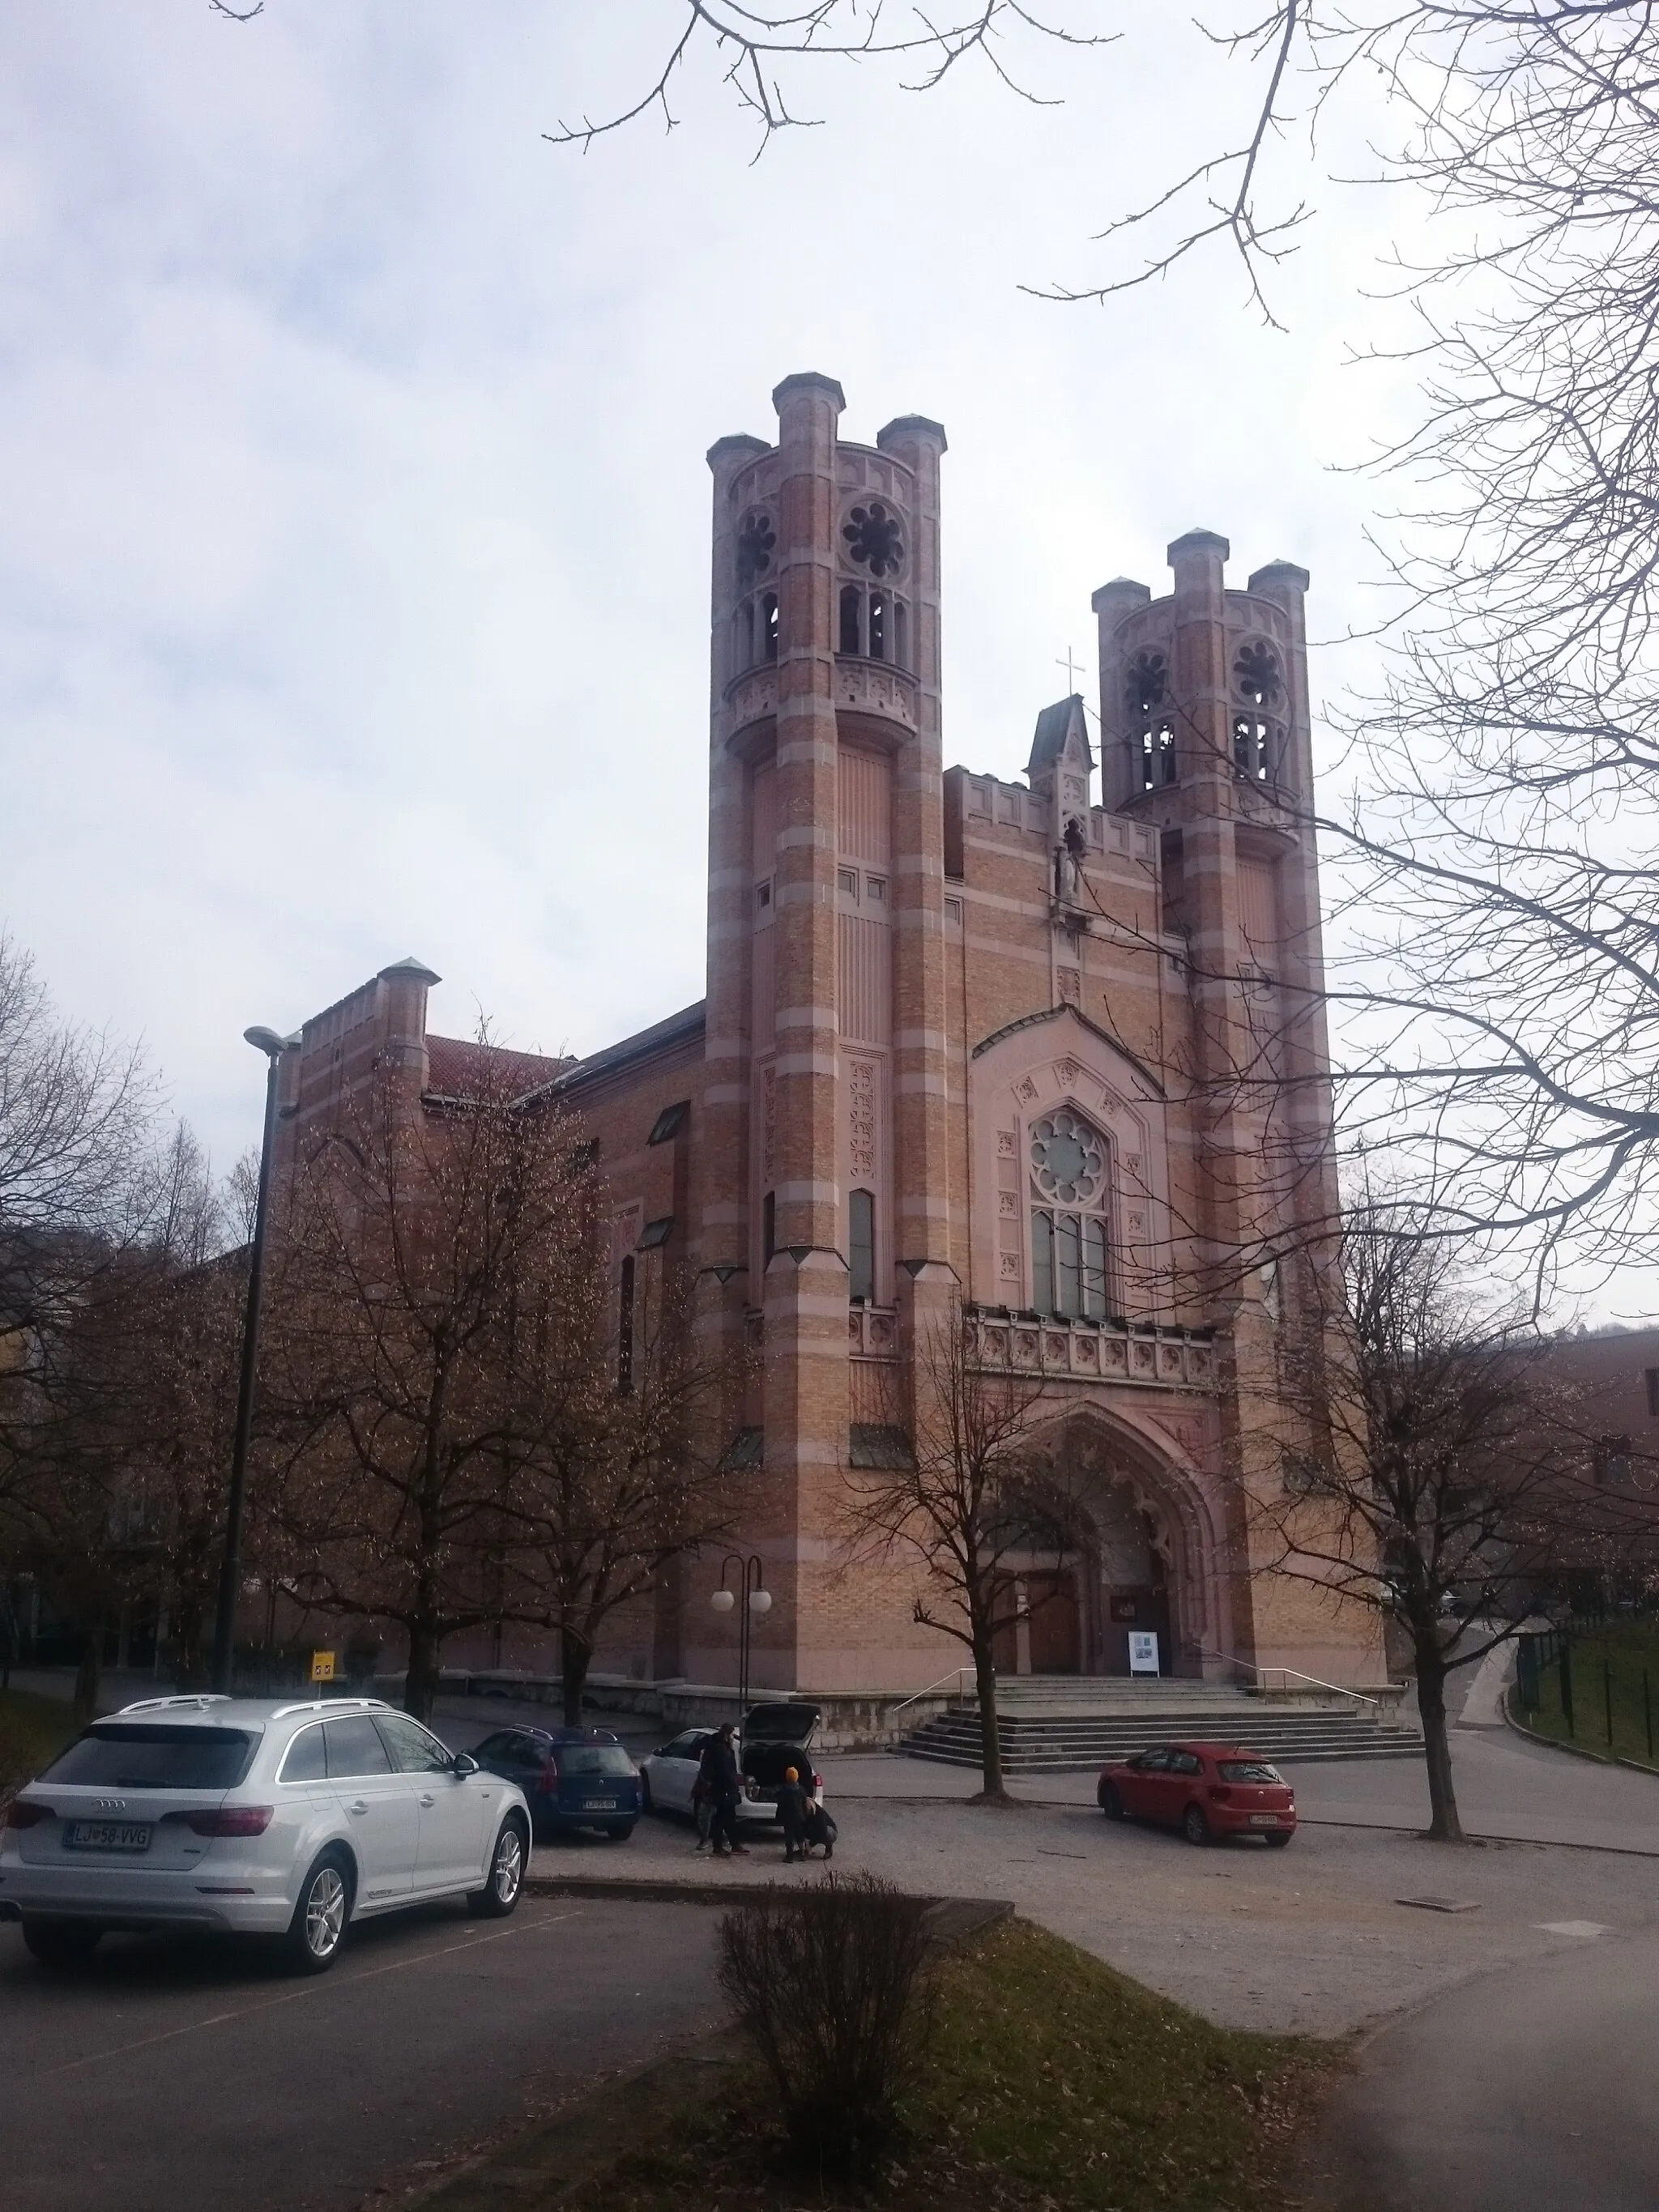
[820, 1830]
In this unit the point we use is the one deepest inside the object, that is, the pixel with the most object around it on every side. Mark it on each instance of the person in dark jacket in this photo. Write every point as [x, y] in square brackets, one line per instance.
[819, 1829]
[703, 1805]
[794, 1802]
[723, 1779]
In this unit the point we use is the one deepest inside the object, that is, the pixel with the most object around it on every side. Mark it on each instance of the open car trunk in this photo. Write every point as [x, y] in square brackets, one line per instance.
[777, 1736]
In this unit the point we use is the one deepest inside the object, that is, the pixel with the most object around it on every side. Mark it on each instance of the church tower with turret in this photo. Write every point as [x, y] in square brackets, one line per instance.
[824, 1169]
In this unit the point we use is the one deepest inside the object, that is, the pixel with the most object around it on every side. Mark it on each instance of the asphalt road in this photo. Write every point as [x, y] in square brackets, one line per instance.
[183, 2077]
[1531, 2087]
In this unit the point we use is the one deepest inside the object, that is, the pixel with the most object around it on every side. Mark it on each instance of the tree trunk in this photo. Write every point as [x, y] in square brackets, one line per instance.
[88, 1674]
[575, 1659]
[189, 1673]
[992, 1791]
[421, 1682]
[1444, 1827]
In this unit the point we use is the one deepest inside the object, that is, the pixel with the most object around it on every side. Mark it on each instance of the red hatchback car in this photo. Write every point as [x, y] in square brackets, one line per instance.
[1205, 1790]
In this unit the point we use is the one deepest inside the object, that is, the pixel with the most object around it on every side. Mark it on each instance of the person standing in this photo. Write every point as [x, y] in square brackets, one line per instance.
[724, 1779]
[702, 1803]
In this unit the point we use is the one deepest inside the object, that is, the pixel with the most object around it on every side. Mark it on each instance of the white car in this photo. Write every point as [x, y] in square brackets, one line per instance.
[773, 1737]
[258, 1817]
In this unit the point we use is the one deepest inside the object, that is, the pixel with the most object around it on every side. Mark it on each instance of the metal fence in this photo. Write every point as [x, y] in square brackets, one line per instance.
[1600, 1698]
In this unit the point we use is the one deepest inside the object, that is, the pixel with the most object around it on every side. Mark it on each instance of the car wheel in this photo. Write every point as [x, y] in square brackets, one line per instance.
[500, 1892]
[61, 1943]
[322, 1915]
[646, 1805]
[1279, 1838]
[622, 1831]
[1111, 1802]
[1194, 1826]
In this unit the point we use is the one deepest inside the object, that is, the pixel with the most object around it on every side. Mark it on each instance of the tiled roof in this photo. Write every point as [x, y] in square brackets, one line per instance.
[457, 1065]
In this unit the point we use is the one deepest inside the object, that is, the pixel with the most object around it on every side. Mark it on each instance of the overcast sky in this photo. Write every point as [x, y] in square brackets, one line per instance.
[355, 536]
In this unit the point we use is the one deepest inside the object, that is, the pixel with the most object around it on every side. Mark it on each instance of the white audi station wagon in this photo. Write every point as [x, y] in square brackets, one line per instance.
[254, 1816]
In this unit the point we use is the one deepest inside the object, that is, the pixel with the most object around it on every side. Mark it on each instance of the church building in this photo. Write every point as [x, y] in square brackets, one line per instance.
[1052, 1048]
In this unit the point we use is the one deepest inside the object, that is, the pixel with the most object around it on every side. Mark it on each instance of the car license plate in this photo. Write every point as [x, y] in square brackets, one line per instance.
[1264, 1819]
[108, 1835]
[600, 1805]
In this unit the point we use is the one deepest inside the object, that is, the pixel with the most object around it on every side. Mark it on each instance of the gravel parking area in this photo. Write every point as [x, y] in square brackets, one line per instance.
[1313, 1939]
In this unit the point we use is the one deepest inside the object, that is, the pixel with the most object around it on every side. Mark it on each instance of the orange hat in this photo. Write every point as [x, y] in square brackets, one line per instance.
[790, 1775]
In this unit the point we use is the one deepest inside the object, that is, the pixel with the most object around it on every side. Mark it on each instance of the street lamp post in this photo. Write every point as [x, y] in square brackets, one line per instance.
[756, 1603]
[230, 1571]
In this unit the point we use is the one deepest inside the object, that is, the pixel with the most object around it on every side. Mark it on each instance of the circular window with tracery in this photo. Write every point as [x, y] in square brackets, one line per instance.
[756, 541]
[1256, 671]
[875, 538]
[1067, 1159]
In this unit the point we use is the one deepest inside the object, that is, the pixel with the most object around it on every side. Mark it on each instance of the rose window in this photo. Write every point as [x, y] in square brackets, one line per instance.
[1148, 682]
[756, 540]
[1257, 669]
[1066, 1159]
[875, 538]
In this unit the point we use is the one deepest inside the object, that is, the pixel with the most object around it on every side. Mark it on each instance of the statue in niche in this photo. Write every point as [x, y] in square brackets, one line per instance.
[1072, 851]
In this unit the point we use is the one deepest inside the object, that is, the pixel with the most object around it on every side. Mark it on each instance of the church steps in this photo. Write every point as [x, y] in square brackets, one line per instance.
[1058, 1744]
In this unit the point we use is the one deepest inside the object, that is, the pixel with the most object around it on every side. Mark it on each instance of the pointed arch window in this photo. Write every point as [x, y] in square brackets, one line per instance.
[1070, 1168]
[861, 1247]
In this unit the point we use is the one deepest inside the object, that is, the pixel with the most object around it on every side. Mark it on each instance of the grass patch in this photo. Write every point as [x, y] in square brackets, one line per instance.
[1089, 2088]
[1053, 2083]
[33, 1730]
[1613, 1667]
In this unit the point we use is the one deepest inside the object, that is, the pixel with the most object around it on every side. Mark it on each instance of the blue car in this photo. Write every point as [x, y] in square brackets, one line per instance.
[571, 1778]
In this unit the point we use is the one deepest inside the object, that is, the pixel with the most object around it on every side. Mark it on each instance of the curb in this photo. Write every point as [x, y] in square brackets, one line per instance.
[952, 1920]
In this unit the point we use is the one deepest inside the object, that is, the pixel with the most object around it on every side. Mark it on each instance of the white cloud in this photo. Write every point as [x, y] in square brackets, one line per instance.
[353, 565]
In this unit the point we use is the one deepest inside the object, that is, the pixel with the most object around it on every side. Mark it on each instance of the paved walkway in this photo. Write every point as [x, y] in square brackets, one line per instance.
[188, 2077]
[1531, 2087]
[1507, 1790]
[1315, 1938]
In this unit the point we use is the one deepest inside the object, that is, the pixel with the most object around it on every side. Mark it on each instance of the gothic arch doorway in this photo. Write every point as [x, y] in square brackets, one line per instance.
[1145, 1561]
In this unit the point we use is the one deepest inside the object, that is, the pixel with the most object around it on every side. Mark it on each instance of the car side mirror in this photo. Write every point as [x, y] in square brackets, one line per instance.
[463, 1764]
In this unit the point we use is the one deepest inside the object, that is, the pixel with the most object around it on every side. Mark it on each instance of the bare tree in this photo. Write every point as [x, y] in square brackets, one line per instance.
[78, 1187]
[618, 1458]
[416, 1243]
[971, 1501]
[119, 1502]
[1446, 1488]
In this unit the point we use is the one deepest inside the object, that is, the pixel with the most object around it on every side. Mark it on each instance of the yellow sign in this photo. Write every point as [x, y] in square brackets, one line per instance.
[322, 1666]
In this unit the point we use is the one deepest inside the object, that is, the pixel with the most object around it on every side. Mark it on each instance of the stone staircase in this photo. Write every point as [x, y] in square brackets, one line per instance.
[1071, 1725]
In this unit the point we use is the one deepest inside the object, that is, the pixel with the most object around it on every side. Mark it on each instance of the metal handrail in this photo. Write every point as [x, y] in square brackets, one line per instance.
[1338, 1689]
[955, 1676]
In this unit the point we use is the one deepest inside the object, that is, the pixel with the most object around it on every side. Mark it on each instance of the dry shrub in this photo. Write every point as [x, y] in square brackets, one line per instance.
[824, 1979]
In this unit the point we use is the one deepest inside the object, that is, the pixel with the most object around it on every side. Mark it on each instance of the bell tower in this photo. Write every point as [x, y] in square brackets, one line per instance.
[1205, 732]
[821, 1214]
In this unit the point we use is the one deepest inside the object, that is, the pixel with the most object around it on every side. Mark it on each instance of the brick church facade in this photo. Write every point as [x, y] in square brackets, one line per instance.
[1052, 1051]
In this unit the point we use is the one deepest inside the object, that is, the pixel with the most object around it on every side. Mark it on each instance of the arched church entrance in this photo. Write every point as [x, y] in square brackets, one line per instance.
[1135, 1590]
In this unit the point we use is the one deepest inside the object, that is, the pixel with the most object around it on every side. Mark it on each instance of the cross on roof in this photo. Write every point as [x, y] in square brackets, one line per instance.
[1074, 668]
